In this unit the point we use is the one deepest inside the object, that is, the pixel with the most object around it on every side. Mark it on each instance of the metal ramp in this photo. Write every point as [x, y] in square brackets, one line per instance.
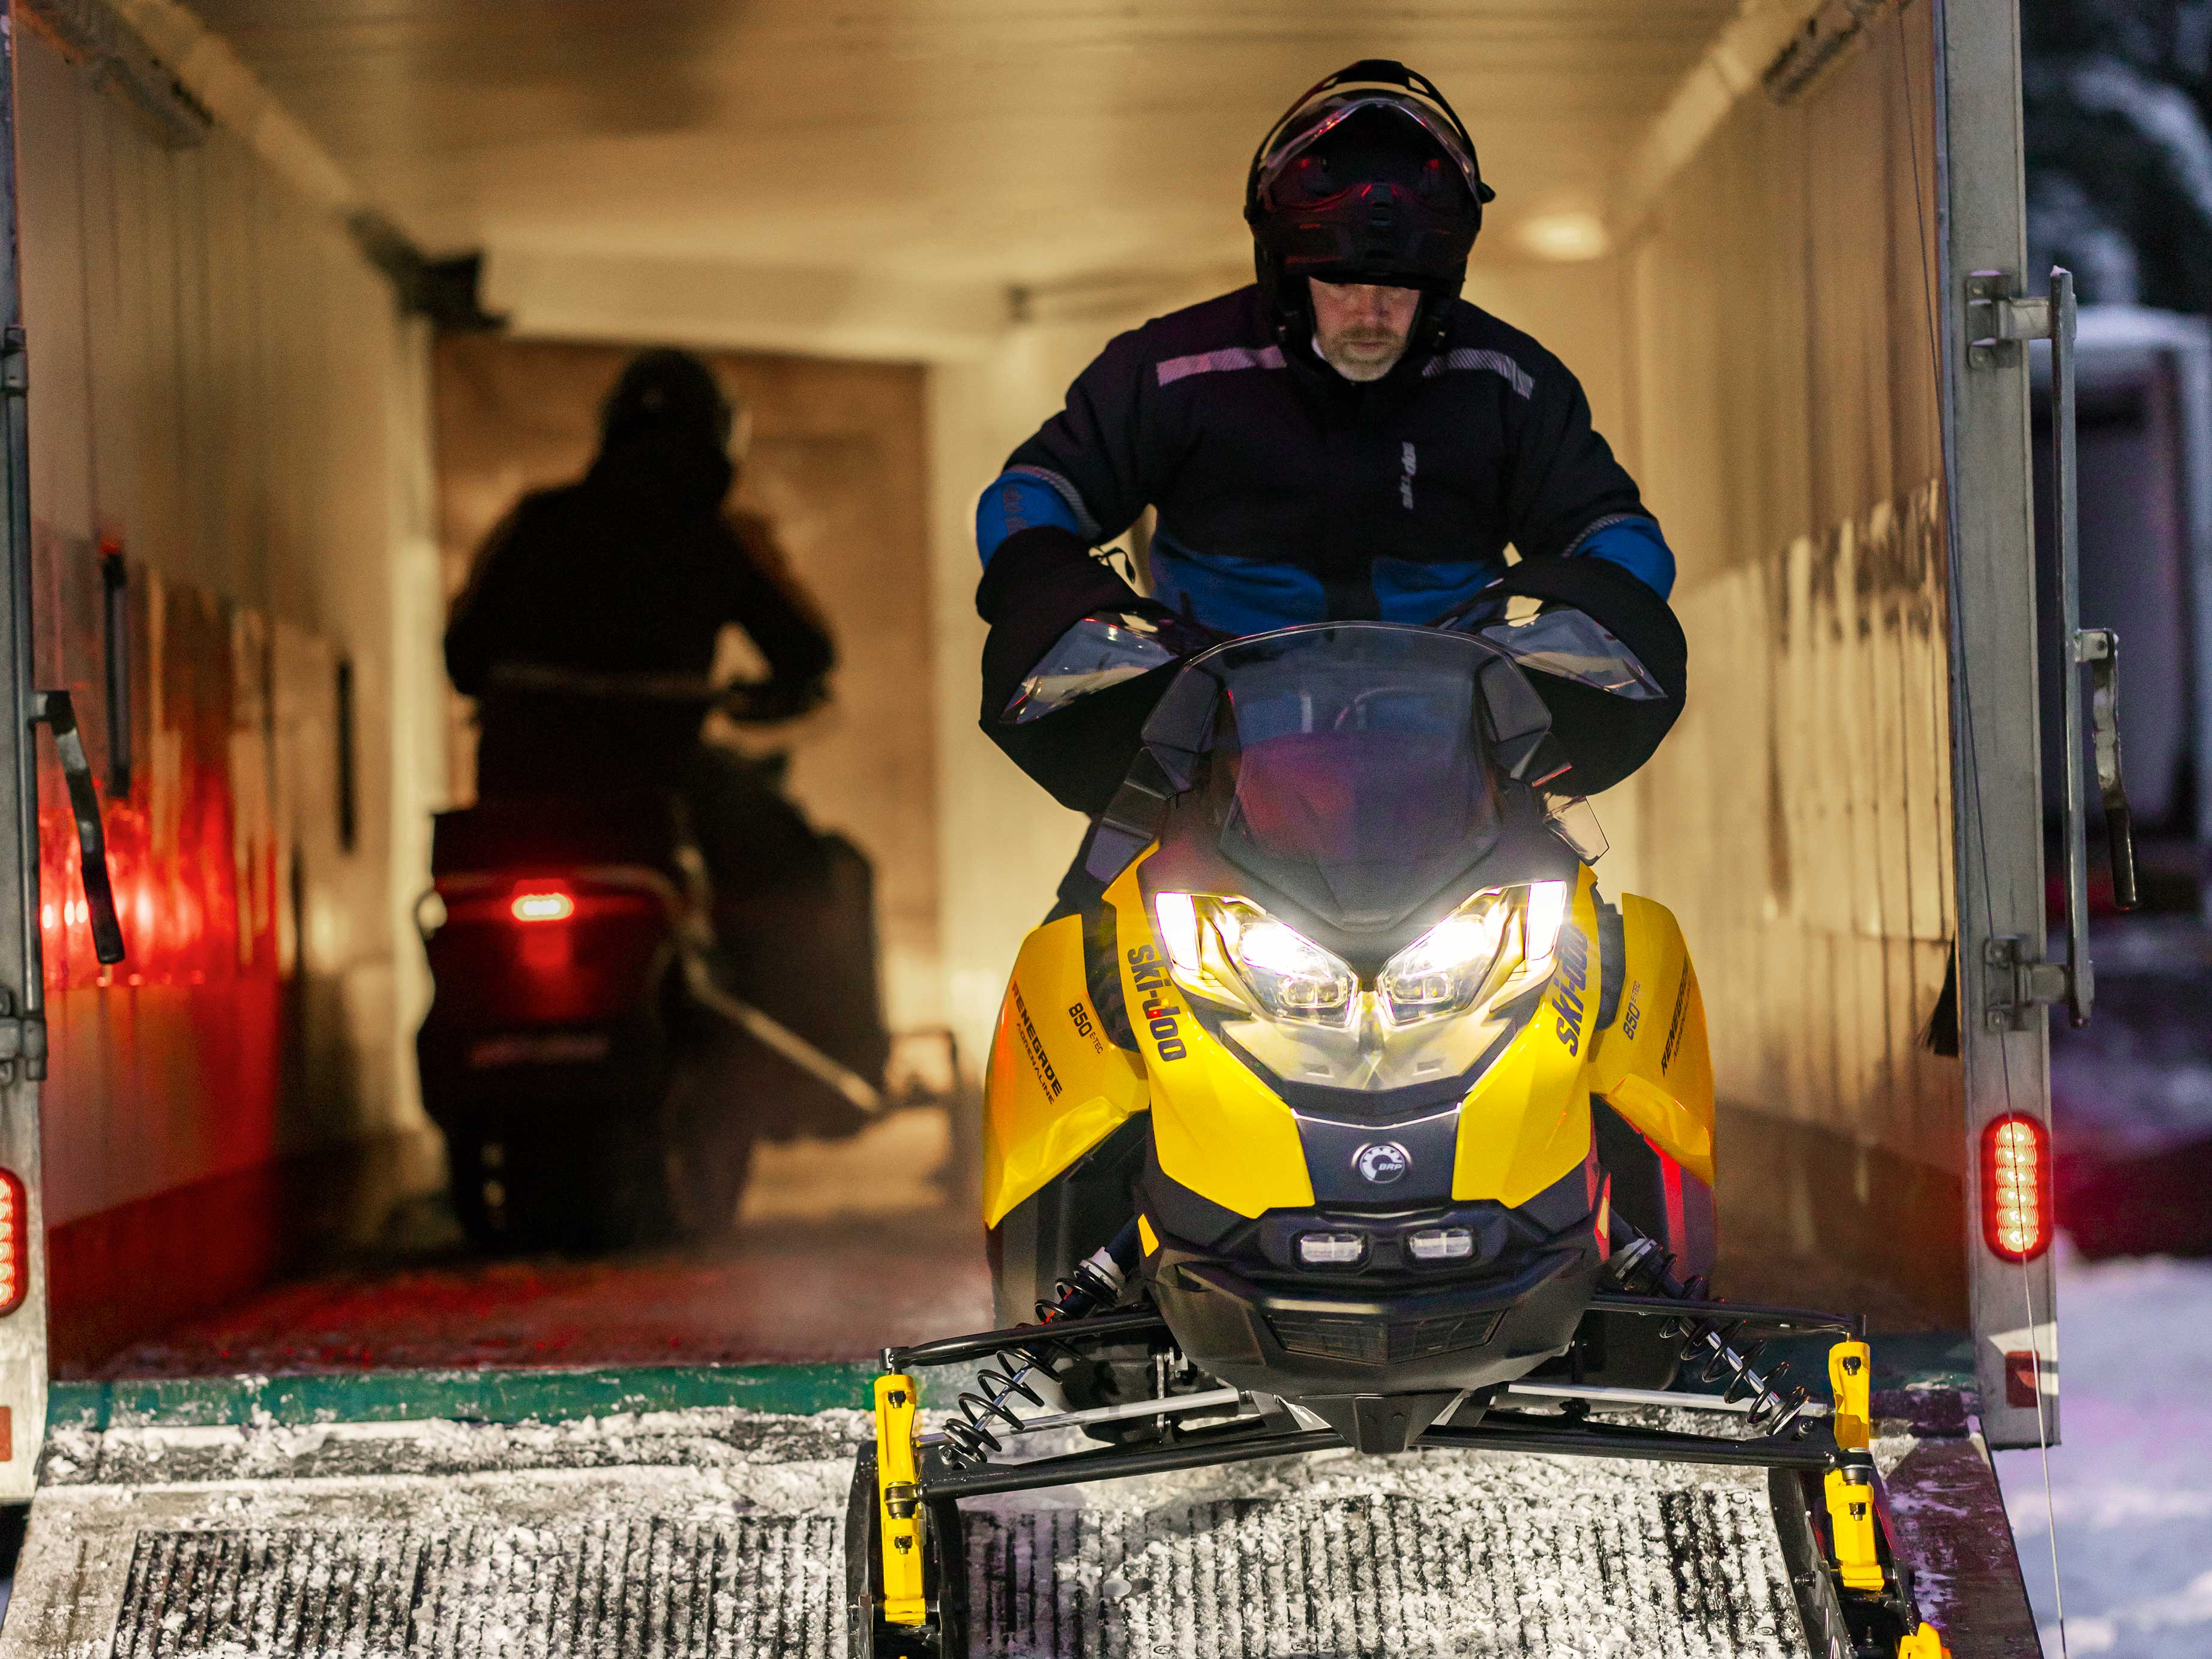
[706, 1532]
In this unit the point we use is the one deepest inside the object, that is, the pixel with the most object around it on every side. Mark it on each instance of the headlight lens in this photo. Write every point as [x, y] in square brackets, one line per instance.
[1449, 968]
[1231, 951]
[1216, 946]
[1443, 970]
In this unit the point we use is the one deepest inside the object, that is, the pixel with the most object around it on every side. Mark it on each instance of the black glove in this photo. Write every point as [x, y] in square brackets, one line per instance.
[1607, 737]
[1040, 583]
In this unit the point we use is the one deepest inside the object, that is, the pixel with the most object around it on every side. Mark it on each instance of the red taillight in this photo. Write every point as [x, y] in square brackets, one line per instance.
[542, 904]
[14, 1243]
[2016, 1187]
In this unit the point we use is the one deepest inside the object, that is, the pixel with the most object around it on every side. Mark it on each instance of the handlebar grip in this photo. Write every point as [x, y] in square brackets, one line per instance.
[115, 587]
[771, 700]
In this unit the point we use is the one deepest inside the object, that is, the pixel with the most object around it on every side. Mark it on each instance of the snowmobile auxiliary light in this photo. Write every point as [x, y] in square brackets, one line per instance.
[1440, 1245]
[2016, 1187]
[1332, 1249]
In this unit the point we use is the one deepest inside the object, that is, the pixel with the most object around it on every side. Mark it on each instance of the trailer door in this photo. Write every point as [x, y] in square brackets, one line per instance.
[1992, 310]
[22, 991]
[22, 1232]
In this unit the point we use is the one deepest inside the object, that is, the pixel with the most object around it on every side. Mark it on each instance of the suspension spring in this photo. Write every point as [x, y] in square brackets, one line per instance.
[971, 1435]
[1773, 1404]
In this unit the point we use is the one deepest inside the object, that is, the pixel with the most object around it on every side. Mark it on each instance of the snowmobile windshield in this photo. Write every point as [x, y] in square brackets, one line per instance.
[1350, 768]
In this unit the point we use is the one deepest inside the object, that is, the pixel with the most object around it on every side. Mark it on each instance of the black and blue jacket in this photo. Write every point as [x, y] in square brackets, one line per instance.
[1285, 494]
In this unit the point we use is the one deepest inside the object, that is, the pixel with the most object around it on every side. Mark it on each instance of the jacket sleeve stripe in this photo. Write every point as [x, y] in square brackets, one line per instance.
[1171, 369]
[1494, 362]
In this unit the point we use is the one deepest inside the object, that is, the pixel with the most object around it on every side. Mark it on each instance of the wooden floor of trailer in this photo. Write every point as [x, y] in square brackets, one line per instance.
[842, 1248]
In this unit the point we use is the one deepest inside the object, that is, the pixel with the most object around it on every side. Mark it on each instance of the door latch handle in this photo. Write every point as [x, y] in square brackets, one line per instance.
[115, 617]
[58, 713]
[2099, 647]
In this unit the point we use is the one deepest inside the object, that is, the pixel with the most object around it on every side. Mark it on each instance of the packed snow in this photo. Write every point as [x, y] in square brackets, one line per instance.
[2130, 1485]
[732, 1520]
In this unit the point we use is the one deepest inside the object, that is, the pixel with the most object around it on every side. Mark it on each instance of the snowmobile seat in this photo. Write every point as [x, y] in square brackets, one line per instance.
[542, 835]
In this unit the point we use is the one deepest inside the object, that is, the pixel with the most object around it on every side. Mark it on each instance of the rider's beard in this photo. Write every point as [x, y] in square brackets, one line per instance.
[1362, 353]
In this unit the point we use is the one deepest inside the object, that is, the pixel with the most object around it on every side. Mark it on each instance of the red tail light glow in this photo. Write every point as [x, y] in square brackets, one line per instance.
[14, 1243]
[544, 904]
[2016, 1187]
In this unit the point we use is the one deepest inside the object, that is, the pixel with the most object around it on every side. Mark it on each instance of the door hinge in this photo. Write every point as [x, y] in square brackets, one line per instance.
[2019, 984]
[1999, 317]
[21, 1036]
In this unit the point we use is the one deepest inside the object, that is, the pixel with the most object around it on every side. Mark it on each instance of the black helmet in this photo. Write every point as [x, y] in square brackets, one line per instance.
[1370, 176]
[667, 392]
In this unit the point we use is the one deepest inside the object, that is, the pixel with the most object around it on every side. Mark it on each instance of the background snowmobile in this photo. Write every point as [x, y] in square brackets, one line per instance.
[1353, 1115]
[609, 1039]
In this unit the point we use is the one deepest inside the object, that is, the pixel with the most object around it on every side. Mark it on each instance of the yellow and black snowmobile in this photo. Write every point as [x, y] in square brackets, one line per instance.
[1353, 1115]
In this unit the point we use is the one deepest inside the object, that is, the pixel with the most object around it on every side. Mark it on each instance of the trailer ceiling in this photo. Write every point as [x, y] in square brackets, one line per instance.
[1007, 142]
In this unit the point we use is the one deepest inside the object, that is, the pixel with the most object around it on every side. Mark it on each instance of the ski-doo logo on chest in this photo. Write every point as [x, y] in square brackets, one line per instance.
[1149, 976]
[1567, 985]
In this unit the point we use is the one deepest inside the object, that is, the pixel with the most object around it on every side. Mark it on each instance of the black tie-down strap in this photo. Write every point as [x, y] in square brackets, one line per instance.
[58, 714]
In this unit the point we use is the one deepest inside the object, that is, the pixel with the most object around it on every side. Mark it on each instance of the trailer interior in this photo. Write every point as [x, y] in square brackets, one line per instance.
[312, 292]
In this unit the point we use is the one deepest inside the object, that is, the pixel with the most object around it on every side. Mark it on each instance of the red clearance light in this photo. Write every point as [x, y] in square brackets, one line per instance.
[2016, 1187]
[544, 904]
[14, 1243]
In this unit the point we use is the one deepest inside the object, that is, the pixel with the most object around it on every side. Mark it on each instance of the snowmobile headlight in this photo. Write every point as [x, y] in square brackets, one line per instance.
[1443, 970]
[1332, 1249]
[1218, 947]
[1448, 968]
[1440, 1245]
[1540, 921]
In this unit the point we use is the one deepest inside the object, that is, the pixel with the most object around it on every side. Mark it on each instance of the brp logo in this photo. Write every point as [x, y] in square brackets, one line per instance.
[1381, 1162]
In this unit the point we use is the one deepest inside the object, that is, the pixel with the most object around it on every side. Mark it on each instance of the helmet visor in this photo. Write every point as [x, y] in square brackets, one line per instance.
[1310, 123]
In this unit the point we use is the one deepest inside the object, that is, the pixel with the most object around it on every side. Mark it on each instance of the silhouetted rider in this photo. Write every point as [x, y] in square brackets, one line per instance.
[1345, 438]
[587, 631]
[587, 636]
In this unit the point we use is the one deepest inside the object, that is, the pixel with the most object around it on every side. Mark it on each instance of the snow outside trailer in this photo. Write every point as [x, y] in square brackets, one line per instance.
[2145, 435]
[1807, 333]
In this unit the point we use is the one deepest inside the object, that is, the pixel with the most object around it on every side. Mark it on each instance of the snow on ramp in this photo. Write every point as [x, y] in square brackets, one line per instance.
[702, 1533]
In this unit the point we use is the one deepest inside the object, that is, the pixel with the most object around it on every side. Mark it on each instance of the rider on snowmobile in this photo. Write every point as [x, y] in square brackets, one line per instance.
[629, 574]
[1345, 438]
[587, 636]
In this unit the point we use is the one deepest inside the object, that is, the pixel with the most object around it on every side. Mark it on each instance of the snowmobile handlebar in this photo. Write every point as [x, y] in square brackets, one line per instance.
[762, 701]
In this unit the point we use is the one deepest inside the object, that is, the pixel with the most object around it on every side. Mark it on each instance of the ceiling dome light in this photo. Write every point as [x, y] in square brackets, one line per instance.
[1564, 236]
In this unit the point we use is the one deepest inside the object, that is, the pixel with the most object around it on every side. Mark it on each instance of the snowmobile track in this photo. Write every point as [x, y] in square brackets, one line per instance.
[1378, 1576]
[608, 1588]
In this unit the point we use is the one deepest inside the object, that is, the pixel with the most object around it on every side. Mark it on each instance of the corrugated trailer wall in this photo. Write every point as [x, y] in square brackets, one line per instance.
[222, 393]
[1799, 818]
